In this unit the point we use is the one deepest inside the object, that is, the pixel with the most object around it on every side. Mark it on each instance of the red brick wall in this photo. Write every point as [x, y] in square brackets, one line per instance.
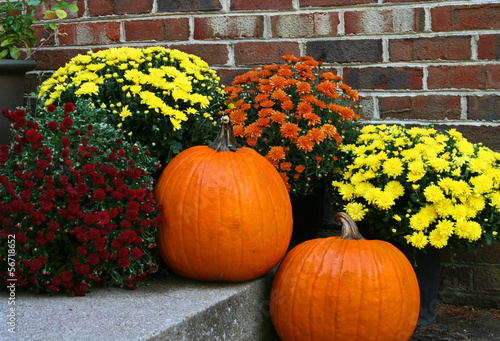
[414, 62]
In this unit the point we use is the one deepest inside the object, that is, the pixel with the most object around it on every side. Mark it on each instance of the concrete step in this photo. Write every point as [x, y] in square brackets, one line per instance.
[169, 308]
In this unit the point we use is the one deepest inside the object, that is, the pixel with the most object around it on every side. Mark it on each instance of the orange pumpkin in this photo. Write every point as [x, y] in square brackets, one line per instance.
[345, 288]
[227, 212]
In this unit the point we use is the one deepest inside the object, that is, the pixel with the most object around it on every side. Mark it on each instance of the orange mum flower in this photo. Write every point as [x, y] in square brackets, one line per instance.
[303, 88]
[316, 135]
[290, 58]
[318, 158]
[263, 122]
[253, 130]
[305, 144]
[287, 105]
[261, 97]
[276, 153]
[285, 71]
[238, 116]
[291, 81]
[279, 95]
[299, 169]
[290, 130]
[278, 117]
[312, 119]
[327, 88]
[267, 103]
[329, 130]
[278, 81]
[304, 108]
[238, 130]
[286, 166]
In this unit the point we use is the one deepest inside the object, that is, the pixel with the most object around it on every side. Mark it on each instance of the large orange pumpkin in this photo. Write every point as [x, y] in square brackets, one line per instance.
[227, 212]
[345, 288]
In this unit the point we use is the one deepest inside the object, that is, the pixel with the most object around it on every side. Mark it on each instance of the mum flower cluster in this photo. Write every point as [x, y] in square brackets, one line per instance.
[76, 204]
[421, 187]
[163, 98]
[295, 115]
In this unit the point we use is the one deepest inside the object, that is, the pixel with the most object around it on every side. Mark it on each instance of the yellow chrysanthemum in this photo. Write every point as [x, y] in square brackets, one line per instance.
[433, 194]
[422, 219]
[393, 167]
[437, 239]
[355, 210]
[418, 239]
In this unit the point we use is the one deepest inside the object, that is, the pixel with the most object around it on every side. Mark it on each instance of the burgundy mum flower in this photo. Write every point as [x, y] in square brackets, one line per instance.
[136, 253]
[99, 195]
[53, 125]
[66, 276]
[65, 141]
[69, 107]
[51, 108]
[35, 265]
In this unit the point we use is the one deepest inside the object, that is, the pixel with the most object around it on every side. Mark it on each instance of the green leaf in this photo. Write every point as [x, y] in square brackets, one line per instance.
[4, 53]
[73, 8]
[63, 4]
[61, 14]
[34, 2]
[52, 26]
[14, 52]
[5, 42]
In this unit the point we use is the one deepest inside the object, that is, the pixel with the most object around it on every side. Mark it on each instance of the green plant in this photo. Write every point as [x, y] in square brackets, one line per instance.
[421, 187]
[16, 20]
[296, 115]
[164, 98]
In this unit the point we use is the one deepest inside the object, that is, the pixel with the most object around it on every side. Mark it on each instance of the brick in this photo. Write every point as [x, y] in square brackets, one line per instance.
[489, 254]
[487, 279]
[439, 48]
[346, 51]
[159, 30]
[384, 21]
[332, 3]
[53, 59]
[456, 277]
[390, 78]
[452, 257]
[213, 54]
[487, 135]
[488, 46]
[260, 5]
[305, 25]
[464, 77]
[134, 6]
[188, 6]
[48, 4]
[457, 18]
[483, 108]
[398, 1]
[420, 107]
[90, 33]
[228, 75]
[248, 26]
[101, 7]
[257, 53]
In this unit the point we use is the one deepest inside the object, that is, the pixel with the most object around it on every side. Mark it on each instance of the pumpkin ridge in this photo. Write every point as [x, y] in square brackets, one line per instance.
[182, 231]
[376, 264]
[339, 269]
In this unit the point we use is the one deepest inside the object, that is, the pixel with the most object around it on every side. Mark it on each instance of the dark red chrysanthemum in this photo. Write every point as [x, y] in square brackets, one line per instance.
[69, 107]
[99, 195]
[51, 108]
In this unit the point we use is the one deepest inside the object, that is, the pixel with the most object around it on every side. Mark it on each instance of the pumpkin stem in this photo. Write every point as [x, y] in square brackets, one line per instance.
[349, 227]
[225, 141]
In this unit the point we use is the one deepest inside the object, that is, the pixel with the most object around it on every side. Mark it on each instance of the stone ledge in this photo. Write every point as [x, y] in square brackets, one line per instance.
[169, 308]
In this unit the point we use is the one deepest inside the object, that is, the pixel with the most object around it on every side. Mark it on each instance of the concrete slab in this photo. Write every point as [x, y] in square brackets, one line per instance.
[169, 308]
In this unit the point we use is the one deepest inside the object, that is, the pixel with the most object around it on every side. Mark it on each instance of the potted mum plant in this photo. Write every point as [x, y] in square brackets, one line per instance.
[163, 98]
[422, 190]
[76, 204]
[17, 34]
[296, 115]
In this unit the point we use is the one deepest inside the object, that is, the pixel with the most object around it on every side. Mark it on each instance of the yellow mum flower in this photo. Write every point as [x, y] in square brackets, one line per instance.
[418, 239]
[87, 88]
[437, 239]
[393, 167]
[424, 218]
[433, 193]
[125, 112]
[445, 227]
[355, 210]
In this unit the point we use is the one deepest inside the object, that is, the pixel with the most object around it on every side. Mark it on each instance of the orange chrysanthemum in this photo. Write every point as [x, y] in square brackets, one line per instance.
[265, 112]
[279, 95]
[316, 135]
[300, 168]
[238, 130]
[328, 89]
[276, 153]
[285, 71]
[267, 103]
[277, 82]
[238, 116]
[330, 76]
[329, 130]
[304, 108]
[261, 97]
[287, 105]
[253, 130]
[303, 88]
[290, 130]
[318, 158]
[312, 119]
[278, 117]
[305, 144]
[290, 58]
[286, 166]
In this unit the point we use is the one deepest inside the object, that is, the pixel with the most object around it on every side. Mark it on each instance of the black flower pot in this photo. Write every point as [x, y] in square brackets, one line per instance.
[11, 90]
[308, 212]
